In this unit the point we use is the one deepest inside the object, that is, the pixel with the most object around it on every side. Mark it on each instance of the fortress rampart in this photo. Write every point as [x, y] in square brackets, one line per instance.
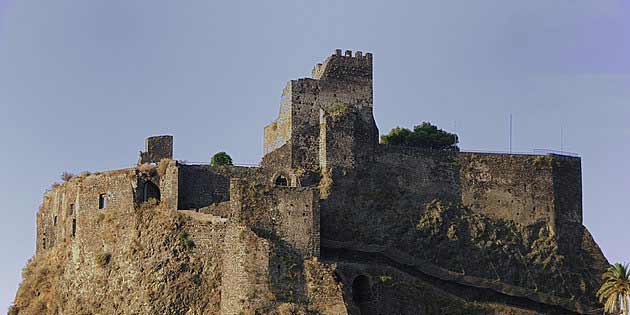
[323, 175]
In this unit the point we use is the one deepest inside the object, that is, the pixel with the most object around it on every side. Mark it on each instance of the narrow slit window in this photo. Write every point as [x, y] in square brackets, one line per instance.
[102, 201]
[71, 209]
[74, 227]
[55, 221]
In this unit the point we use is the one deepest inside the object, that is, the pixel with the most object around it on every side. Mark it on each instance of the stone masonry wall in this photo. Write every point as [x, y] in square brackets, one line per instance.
[200, 186]
[278, 133]
[245, 269]
[362, 203]
[340, 82]
[511, 187]
[567, 187]
[156, 149]
[77, 200]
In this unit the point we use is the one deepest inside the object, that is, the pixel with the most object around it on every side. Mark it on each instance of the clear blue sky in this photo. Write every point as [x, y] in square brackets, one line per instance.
[82, 83]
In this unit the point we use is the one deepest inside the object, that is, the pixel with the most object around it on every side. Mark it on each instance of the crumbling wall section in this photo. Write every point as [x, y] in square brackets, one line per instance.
[156, 149]
[278, 133]
[70, 208]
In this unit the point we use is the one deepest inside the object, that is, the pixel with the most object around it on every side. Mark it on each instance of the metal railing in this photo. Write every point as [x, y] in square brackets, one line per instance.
[185, 162]
[533, 152]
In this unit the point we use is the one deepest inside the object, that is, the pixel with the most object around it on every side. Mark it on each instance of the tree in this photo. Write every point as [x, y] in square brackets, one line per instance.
[424, 135]
[221, 158]
[615, 291]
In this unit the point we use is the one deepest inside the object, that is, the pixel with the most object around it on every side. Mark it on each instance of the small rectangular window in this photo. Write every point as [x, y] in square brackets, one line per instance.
[55, 221]
[74, 227]
[102, 201]
[71, 209]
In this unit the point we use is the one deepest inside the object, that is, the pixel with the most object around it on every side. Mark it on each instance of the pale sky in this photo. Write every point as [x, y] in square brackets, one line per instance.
[82, 83]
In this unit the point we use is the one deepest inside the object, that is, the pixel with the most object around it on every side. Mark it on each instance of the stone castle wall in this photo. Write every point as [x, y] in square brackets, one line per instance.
[323, 176]
[523, 188]
[68, 209]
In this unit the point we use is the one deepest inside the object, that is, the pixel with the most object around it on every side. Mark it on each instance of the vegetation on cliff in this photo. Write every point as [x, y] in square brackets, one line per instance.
[530, 257]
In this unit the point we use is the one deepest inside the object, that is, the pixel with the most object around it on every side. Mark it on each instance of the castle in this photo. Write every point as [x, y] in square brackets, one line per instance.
[405, 230]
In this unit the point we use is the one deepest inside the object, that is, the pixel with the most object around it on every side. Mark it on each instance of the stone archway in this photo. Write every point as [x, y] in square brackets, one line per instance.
[281, 181]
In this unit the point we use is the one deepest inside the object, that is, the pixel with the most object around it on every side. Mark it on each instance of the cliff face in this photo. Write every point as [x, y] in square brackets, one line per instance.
[154, 261]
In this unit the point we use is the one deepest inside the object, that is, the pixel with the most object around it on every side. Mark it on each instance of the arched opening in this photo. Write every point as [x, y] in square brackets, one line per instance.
[362, 294]
[150, 191]
[282, 181]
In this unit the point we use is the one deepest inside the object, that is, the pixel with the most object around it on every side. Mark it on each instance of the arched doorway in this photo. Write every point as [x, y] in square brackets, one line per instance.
[150, 191]
[281, 181]
[362, 294]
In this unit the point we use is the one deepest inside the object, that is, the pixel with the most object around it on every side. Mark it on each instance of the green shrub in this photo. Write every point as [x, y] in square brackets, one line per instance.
[103, 259]
[221, 158]
[424, 135]
[185, 241]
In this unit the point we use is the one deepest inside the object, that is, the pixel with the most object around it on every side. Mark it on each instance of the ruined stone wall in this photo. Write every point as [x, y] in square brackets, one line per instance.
[156, 149]
[511, 187]
[278, 133]
[67, 207]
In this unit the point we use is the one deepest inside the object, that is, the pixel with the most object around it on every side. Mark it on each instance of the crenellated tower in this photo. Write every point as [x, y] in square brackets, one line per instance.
[324, 120]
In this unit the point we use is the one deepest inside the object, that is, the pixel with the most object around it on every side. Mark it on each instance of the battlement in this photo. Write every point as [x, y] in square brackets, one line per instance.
[346, 66]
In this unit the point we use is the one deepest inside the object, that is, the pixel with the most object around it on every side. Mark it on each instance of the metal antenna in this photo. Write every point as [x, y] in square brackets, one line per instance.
[561, 138]
[510, 133]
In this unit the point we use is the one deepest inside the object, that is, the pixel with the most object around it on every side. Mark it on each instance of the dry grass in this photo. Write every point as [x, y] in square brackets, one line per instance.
[103, 259]
[38, 293]
[66, 176]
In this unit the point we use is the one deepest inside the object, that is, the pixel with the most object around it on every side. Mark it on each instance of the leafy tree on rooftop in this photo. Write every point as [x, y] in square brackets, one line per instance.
[221, 158]
[424, 135]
